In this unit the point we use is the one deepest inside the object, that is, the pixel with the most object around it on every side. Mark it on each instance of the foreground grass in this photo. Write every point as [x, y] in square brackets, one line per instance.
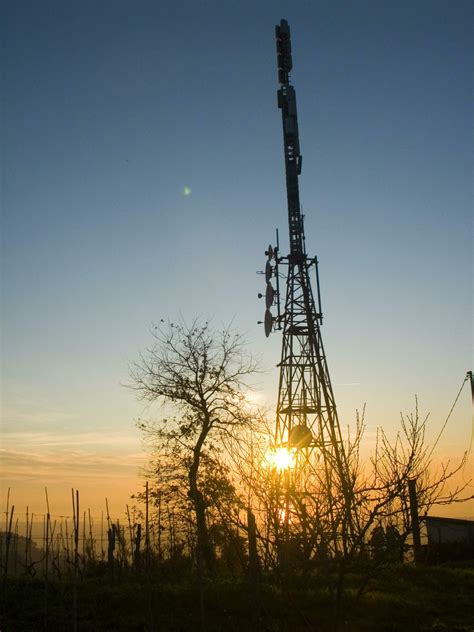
[397, 598]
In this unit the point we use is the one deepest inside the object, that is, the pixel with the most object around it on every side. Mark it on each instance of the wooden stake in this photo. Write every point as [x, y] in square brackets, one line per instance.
[130, 532]
[46, 565]
[91, 540]
[102, 552]
[415, 521]
[147, 527]
[15, 548]
[26, 538]
[7, 545]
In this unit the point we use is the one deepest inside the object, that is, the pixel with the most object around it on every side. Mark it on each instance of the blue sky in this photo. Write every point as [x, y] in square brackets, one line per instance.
[111, 108]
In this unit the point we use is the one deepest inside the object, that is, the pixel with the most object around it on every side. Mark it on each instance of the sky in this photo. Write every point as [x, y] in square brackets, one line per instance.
[143, 178]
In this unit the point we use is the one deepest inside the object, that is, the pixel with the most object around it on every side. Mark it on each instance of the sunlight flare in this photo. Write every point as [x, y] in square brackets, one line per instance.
[281, 459]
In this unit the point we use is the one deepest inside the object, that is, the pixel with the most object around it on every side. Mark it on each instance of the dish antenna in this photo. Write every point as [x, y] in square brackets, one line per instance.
[269, 295]
[268, 322]
[300, 437]
[272, 295]
[268, 271]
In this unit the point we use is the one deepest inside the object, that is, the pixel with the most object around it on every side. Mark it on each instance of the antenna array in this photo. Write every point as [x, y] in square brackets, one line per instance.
[306, 414]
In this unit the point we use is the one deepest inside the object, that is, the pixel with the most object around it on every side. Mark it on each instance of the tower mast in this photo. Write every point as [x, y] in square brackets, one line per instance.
[306, 415]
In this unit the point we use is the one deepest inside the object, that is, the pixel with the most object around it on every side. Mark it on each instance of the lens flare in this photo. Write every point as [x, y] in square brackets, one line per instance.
[187, 191]
[282, 459]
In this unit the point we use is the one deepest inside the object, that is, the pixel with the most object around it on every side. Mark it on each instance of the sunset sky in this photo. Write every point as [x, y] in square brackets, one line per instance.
[143, 178]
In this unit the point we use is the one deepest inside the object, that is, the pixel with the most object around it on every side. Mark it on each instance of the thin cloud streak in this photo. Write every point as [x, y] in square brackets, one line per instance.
[30, 465]
[50, 439]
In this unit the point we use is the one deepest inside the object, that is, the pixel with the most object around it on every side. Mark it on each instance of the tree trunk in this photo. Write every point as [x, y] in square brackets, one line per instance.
[205, 552]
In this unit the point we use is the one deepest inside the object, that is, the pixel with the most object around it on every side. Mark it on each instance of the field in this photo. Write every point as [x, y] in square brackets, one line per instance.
[397, 598]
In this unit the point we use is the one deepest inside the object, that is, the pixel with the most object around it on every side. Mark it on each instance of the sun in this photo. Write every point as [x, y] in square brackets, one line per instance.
[282, 459]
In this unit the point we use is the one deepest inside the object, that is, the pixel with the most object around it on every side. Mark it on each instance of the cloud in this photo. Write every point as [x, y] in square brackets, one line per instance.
[50, 448]
[48, 439]
[21, 465]
[46, 455]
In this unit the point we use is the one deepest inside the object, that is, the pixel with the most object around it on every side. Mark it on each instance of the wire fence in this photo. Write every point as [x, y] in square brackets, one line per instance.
[51, 544]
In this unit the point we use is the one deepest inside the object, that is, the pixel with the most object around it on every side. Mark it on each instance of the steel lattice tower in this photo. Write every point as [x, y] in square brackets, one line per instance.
[306, 415]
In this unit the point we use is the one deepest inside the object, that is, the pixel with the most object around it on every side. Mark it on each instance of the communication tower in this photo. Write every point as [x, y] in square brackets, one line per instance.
[306, 416]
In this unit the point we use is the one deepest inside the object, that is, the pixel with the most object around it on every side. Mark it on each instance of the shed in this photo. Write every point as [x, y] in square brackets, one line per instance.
[449, 530]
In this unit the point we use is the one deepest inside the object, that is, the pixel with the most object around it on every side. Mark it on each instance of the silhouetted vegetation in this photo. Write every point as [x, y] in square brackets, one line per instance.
[402, 598]
[222, 537]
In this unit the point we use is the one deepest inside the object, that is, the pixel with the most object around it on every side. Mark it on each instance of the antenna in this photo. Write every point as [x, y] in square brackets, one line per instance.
[268, 322]
[306, 414]
[269, 295]
[268, 271]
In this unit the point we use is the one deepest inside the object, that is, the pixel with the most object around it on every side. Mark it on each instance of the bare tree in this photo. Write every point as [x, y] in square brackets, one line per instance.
[409, 457]
[199, 373]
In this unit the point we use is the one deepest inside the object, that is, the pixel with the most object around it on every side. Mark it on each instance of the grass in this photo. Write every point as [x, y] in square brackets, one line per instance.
[400, 598]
